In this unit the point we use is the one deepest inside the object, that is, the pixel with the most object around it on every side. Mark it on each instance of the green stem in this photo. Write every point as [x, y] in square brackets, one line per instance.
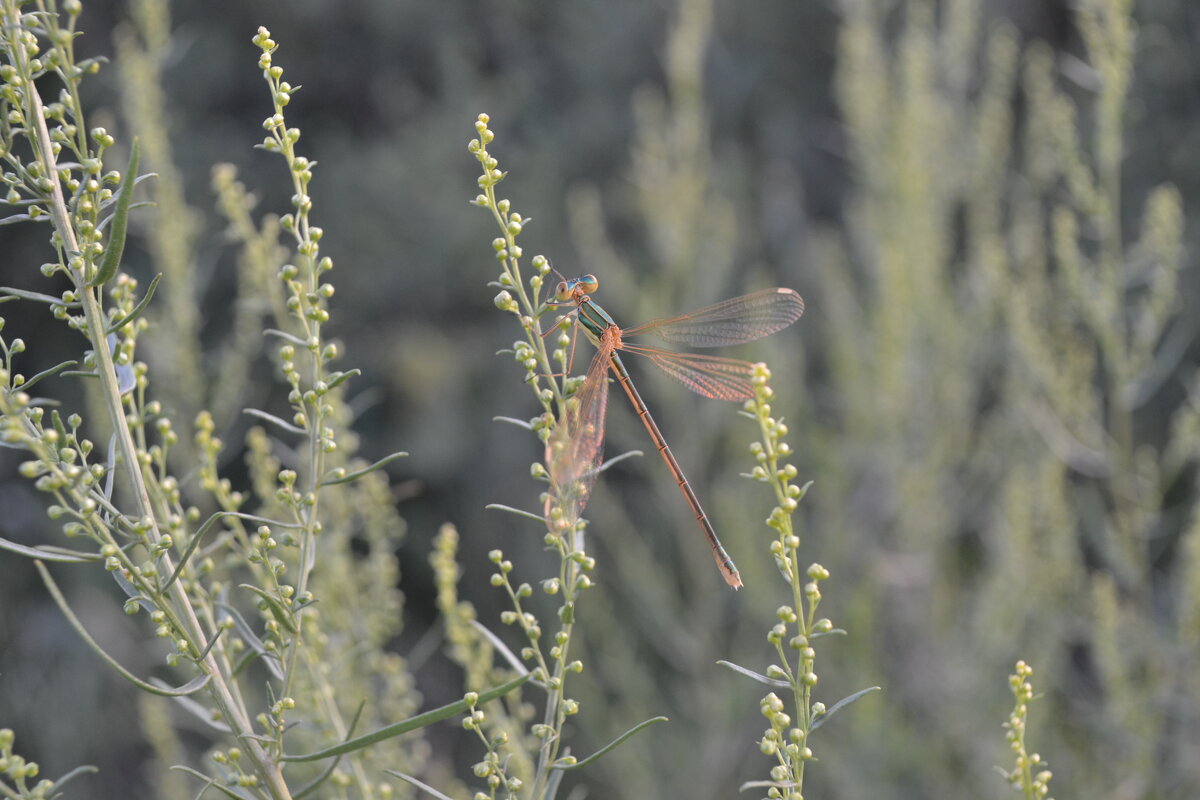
[223, 694]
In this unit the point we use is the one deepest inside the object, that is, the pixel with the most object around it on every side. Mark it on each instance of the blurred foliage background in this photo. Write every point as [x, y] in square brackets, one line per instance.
[987, 207]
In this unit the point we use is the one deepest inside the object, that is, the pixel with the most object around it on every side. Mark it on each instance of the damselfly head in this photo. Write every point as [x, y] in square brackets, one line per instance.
[575, 288]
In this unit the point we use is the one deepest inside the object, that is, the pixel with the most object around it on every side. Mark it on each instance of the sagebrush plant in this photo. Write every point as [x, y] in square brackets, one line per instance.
[786, 740]
[1030, 775]
[551, 666]
[16, 774]
[228, 578]
[795, 634]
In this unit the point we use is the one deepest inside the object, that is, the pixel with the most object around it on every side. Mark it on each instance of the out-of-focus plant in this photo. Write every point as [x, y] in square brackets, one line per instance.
[18, 774]
[1004, 338]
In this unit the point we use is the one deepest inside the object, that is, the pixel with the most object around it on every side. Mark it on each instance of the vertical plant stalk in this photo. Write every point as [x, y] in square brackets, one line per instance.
[564, 531]
[222, 692]
[307, 294]
[1034, 785]
[787, 738]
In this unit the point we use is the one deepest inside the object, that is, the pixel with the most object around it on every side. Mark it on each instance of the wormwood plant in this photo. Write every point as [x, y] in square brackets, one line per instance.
[786, 740]
[1029, 774]
[552, 665]
[19, 773]
[795, 634]
[233, 592]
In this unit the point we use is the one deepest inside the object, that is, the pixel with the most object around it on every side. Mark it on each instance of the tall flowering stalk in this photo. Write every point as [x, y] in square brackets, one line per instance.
[791, 722]
[231, 594]
[1030, 775]
[550, 665]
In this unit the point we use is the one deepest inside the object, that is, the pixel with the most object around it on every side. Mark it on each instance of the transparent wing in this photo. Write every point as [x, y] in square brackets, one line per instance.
[734, 321]
[709, 376]
[575, 448]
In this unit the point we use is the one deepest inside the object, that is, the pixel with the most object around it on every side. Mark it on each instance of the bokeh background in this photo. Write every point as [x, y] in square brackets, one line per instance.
[993, 388]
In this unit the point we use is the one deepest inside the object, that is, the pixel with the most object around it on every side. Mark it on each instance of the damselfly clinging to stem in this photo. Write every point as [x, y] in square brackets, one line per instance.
[574, 453]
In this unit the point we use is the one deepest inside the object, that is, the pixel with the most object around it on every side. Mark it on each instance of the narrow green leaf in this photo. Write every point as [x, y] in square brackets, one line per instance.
[51, 550]
[274, 420]
[410, 724]
[132, 591]
[208, 523]
[59, 555]
[296, 340]
[59, 428]
[120, 217]
[324, 776]
[618, 459]
[142, 204]
[422, 786]
[766, 785]
[337, 379]
[497, 643]
[115, 325]
[383, 462]
[278, 610]
[46, 373]
[208, 647]
[251, 638]
[82, 67]
[75, 773]
[596, 755]
[517, 511]
[15, 218]
[749, 673]
[830, 632]
[258, 737]
[839, 705]
[188, 688]
[35, 296]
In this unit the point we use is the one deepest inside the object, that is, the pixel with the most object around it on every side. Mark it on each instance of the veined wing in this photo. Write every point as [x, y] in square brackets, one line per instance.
[710, 376]
[734, 321]
[574, 450]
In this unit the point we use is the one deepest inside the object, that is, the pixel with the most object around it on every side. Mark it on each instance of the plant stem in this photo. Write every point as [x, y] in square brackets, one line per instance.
[222, 692]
